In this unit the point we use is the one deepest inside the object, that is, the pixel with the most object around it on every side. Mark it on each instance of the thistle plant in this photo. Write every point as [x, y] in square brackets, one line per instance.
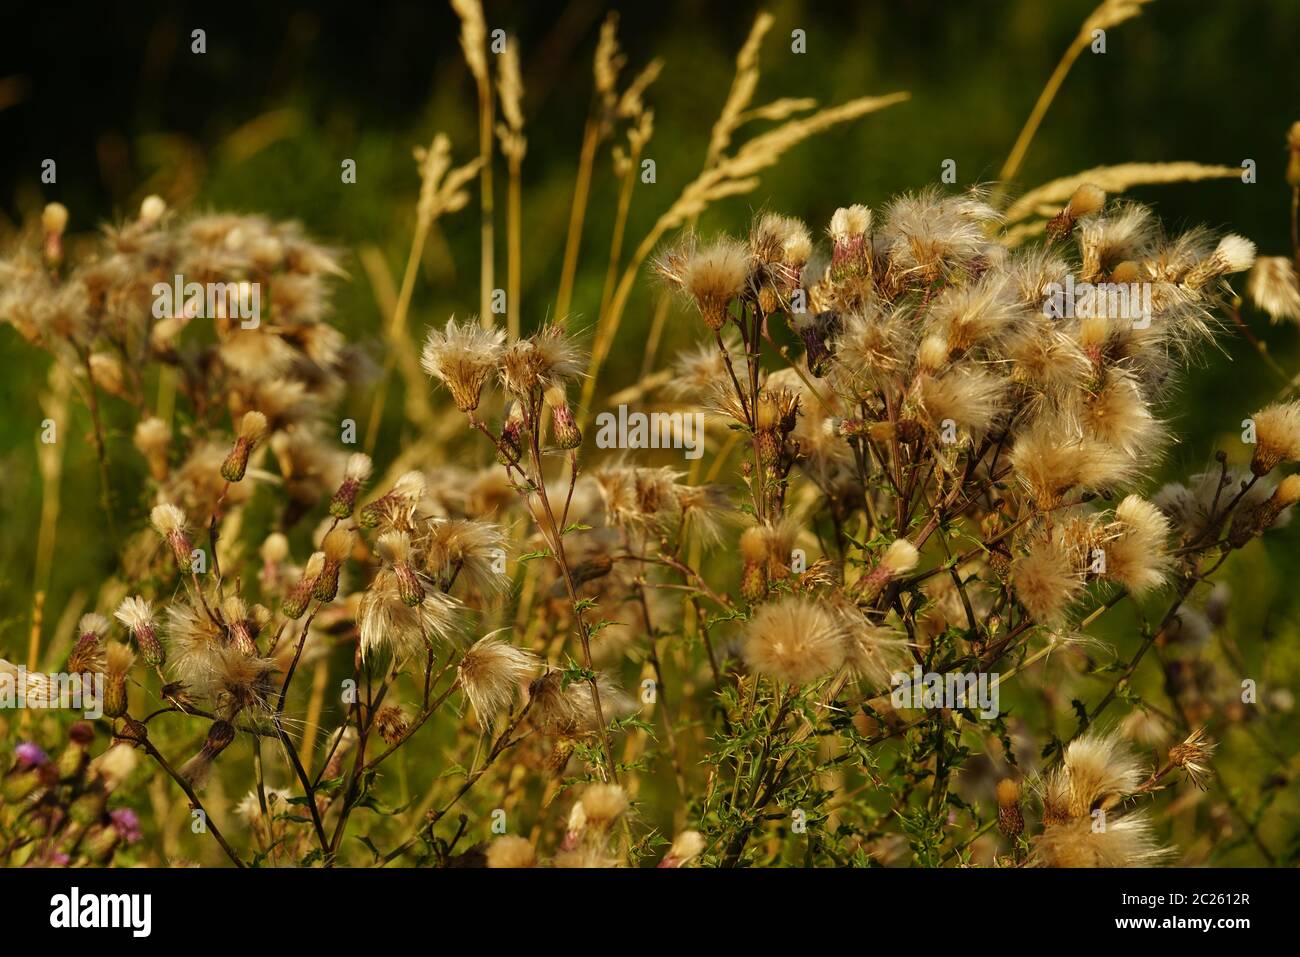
[932, 431]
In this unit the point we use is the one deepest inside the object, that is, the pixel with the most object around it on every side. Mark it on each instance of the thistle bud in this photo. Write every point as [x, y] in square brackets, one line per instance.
[295, 603]
[252, 429]
[137, 615]
[395, 548]
[119, 659]
[512, 431]
[152, 437]
[336, 547]
[563, 424]
[169, 522]
[54, 220]
[152, 209]
[101, 841]
[1010, 820]
[73, 759]
[345, 498]
[87, 655]
[850, 254]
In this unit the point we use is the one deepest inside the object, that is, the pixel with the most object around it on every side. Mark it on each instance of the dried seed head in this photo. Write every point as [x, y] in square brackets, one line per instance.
[169, 522]
[603, 804]
[1274, 288]
[137, 615]
[793, 640]
[1011, 821]
[355, 474]
[715, 276]
[252, 429]
[463, 358]
[686, 846]
[296, 601]
[151, 439]
[509, 850]
[492, 673]
[1277, 436]
[152, 208]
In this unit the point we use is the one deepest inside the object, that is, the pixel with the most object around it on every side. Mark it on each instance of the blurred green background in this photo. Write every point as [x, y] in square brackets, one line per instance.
[284, 93]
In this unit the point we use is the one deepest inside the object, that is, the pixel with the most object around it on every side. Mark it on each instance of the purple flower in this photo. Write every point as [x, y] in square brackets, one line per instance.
[127, 824]
[59, 859]
[30, 755]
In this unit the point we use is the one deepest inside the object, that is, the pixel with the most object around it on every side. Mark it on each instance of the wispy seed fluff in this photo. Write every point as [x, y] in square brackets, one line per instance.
[510, 850]
[1046, 581]
[463, 358]
[169, 522]
[1274, 288]
[252, 429]
[395, 549]
[713, 277]
[1277, 436]
[492, 673]
[1096, 774]
[793, 640]
[1136, 551]
[540, 361]
[1233, 254]
[386, 622]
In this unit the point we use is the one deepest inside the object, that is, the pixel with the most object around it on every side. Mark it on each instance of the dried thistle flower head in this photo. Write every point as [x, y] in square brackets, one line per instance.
[898, 559]
[603, 804]
[392, 723]
[714, 277]
[1233, 254]
[119, 659]
[463, 357]
[387, 623]
[152, 437]
[492, 672]
[1277, 436]
[1011, 821]
[395, 549]
[510, 850]
[169, 522]
[137, 615]
[546, 358]
[197, 769]
[1136, 549]
[564, 427]
[87, 654]
[1274, 288]
[1193, 756]
[296, 600]
[567, 708]
[252, 429]
[686, 847]
[337, 546]
[355, 474]
[1096, 773]
[1046, 581]
[793, 640]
